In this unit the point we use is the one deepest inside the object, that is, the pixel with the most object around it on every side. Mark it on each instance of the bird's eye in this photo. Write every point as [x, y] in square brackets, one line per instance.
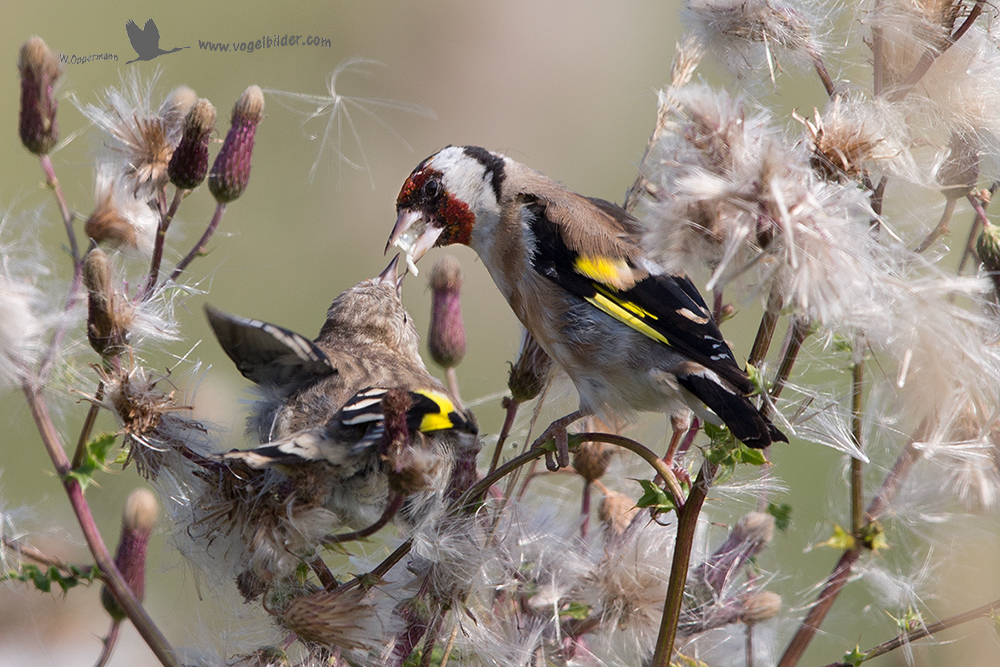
[431, 188]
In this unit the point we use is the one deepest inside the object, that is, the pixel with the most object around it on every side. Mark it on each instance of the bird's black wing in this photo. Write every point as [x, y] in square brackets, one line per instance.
[359, 425]
[268, 354]
[664, 307]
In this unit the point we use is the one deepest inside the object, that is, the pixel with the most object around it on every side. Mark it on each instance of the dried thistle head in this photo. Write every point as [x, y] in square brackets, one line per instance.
[39, 69]
[142, 135]
[231, 170]
[338, 619]
[108, 316]
[531, 372]
[592, 459]
[149, 419]
[616, 512]
[842, 145]
[120, 220]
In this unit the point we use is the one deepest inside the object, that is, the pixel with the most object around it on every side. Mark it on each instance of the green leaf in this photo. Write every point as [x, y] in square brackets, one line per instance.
[908, 622]
[95, 458]
[855, 657]
[655, 497]
[873, 536]
[840, 539]
[756, 379]
[842, 343]
[575, 610]
[43, 580]
[750, 456]
[782, 513]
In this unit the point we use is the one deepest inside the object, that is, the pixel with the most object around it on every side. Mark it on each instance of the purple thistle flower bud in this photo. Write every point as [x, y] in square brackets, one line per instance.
[446, 342]
[39, 69]
[138, 520]
[189, 163]
[107, 320]
[530, 373]
[231, 170]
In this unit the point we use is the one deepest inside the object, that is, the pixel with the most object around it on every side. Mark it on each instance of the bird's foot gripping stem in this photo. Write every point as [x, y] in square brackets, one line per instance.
[557, 431]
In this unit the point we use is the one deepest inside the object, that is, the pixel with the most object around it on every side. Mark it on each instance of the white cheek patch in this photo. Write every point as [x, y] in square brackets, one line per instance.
[466, 178]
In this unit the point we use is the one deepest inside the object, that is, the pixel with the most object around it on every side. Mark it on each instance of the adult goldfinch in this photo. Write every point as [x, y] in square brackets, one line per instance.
[631, 336]
[320, 418]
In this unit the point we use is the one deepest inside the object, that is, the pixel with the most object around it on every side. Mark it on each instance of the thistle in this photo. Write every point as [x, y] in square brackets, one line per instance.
[107, 320]
[530, 373]
[231, 171]
[39, 69]
[138, 520]
[189, 163]
[446, 342]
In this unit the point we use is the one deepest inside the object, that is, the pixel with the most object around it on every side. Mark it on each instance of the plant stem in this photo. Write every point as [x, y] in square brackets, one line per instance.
[511, 406]
[88, 426]
[824, 74]
[941, 229]
[979, 220]
[908, 637]
[768, 323]
[796, 336]
[33, 554]
[395, 502]
[842, 571]
[857, 469]
[687, 523]
[161, 235]
[109, 644]
[112, 577]
[933, 53]
[451, 375]
[67, 215]
[878, 60]
[199, 248]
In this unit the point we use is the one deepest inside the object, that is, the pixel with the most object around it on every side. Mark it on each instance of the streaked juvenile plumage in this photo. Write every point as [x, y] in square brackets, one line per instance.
[320, 421]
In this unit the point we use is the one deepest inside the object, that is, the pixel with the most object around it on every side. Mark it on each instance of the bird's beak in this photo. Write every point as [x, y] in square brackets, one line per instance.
[414, 236]
[391, 275]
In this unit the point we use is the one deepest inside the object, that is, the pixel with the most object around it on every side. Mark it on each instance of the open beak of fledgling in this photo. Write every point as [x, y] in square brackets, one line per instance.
[392, 276]
[414, 235]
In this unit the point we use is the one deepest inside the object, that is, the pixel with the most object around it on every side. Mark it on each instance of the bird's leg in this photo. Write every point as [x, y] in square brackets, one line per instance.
[681, 426]
[557, 431]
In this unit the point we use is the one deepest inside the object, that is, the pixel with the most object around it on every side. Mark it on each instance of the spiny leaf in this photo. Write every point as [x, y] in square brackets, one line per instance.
[840, 539]
[655, 497]
[95, 458]
[782, 513]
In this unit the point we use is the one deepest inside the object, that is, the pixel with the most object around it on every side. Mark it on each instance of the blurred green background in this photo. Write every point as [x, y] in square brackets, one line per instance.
[566, 87]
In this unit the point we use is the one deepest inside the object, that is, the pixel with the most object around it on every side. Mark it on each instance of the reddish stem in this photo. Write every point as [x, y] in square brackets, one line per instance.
[112, 576]
[199, 248]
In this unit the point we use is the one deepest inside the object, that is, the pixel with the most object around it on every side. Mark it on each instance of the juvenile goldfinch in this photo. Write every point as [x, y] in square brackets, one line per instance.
[631, 336]
[320, 420]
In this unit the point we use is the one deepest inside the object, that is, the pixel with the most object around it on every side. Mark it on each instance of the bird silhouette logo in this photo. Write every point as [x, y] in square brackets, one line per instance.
[146, 41]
